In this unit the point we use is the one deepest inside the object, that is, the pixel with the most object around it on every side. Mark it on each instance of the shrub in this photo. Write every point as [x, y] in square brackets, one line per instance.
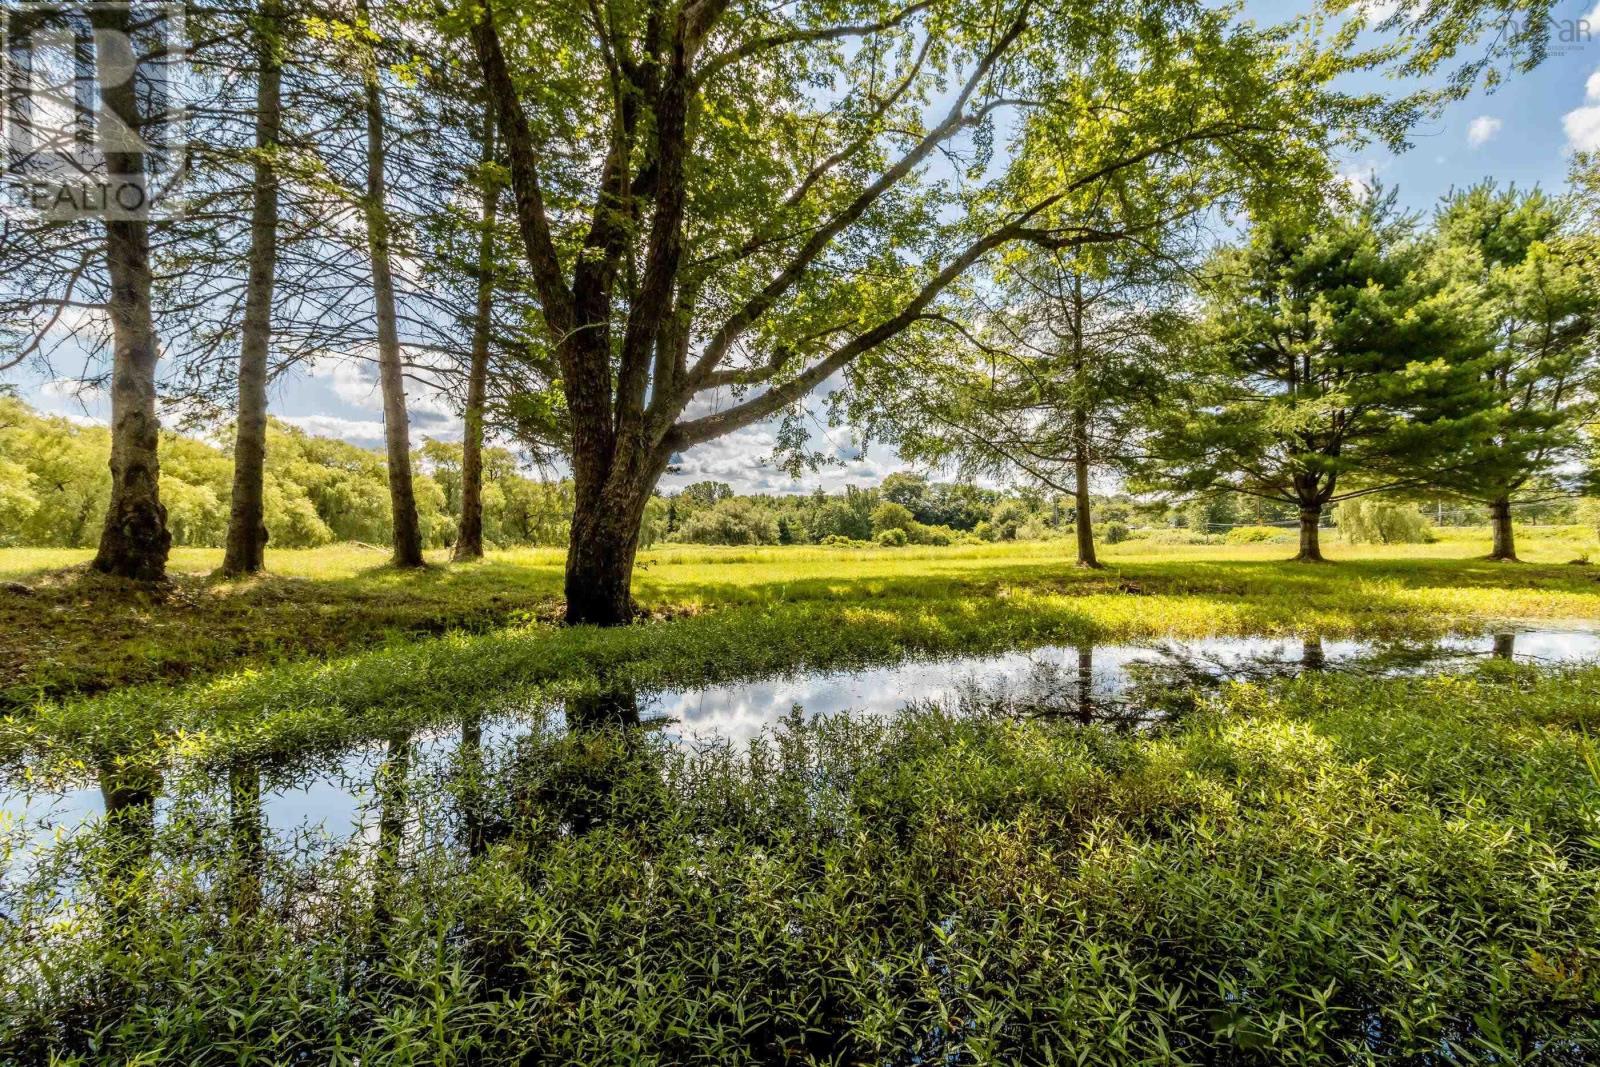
[732, 521]
[892, 538]
[1368, 520]
[1114, 533]
[1255, 535]
[920, 534]
[842, 540]
[1335, 870]
[891, 516]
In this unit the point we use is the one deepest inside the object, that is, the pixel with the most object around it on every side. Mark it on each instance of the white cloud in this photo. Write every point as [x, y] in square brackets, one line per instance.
[367, 433]
[1482, 130]
[1583, 124]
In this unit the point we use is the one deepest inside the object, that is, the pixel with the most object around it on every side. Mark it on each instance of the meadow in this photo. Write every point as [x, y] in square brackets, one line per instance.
[1339, 867]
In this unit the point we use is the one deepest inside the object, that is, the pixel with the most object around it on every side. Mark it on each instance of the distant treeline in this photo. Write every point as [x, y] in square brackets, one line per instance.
[54, 486]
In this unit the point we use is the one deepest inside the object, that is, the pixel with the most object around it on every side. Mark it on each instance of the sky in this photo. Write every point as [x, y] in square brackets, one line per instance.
[1523, 133]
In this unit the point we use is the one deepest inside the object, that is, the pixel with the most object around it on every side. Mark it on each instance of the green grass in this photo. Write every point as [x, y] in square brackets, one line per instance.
[1334, 870]
[280, 664]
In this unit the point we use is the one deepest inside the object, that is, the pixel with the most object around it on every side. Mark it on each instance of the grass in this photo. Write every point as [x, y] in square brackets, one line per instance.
[78, 634]
[285, 663]
[1333, 870]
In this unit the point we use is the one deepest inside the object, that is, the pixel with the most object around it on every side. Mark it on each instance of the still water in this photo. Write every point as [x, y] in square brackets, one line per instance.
[1126, 686]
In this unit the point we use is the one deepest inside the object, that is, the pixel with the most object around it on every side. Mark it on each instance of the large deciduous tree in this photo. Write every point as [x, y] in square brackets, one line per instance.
[1324, 367]
[724, 205]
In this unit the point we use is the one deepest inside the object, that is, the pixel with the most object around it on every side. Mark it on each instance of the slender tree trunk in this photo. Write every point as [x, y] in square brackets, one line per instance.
[390, 783]
[391, 375]
[1310, 527]
[1080, 433]
[1505, 543]
[1083, 523]
[1085, 694]
[469, 542]
[247, 527]
[135, 541]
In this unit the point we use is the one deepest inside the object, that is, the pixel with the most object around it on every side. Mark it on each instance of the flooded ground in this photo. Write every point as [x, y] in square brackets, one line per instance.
[1125, 686]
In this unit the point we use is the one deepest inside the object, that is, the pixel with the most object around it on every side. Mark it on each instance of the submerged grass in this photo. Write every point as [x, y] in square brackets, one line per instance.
[1332, 870]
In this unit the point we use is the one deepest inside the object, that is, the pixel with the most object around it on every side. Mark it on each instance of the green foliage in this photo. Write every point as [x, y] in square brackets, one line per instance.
[1539, 310]
[1372, 521]
[1328, 347]
[891, 516]
[1114, 533]
[1255, 535]
[54, 485]
[731, 521]
[892, 537]
[1299, 874]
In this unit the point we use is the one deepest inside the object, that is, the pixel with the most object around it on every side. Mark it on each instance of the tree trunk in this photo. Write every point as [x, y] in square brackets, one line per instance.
[247, 527]
[1505, 543]
[1310, 543]
[247, 825]
[469, 542]
[604, 541]
[1083, 522]
[391, 375]
[1085, 694]
[1080, 433]
[135, 541]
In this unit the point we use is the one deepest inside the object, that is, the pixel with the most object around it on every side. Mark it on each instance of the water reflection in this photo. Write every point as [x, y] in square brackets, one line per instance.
[371, 793]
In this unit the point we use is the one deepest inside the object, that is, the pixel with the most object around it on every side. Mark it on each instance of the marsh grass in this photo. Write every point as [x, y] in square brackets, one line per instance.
[1330, 870]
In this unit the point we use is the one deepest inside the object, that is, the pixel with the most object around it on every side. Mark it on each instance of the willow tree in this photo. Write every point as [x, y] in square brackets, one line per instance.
[1328, 363]
[724, 204]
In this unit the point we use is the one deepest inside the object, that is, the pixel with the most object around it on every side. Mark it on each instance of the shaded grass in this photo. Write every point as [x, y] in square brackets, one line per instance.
[1332, 870]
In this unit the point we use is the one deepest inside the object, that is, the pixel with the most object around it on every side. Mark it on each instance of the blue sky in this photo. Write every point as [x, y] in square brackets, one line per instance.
[1522, 133]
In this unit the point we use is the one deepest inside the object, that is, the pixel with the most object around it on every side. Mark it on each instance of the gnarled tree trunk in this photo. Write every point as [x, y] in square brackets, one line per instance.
[391, 374]
[1505, 542]
[605, 538]
[135, 541]
[247, 527]
[469, 541]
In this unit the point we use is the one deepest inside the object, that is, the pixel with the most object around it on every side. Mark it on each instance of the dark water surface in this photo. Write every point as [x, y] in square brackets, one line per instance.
[1127, 686]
